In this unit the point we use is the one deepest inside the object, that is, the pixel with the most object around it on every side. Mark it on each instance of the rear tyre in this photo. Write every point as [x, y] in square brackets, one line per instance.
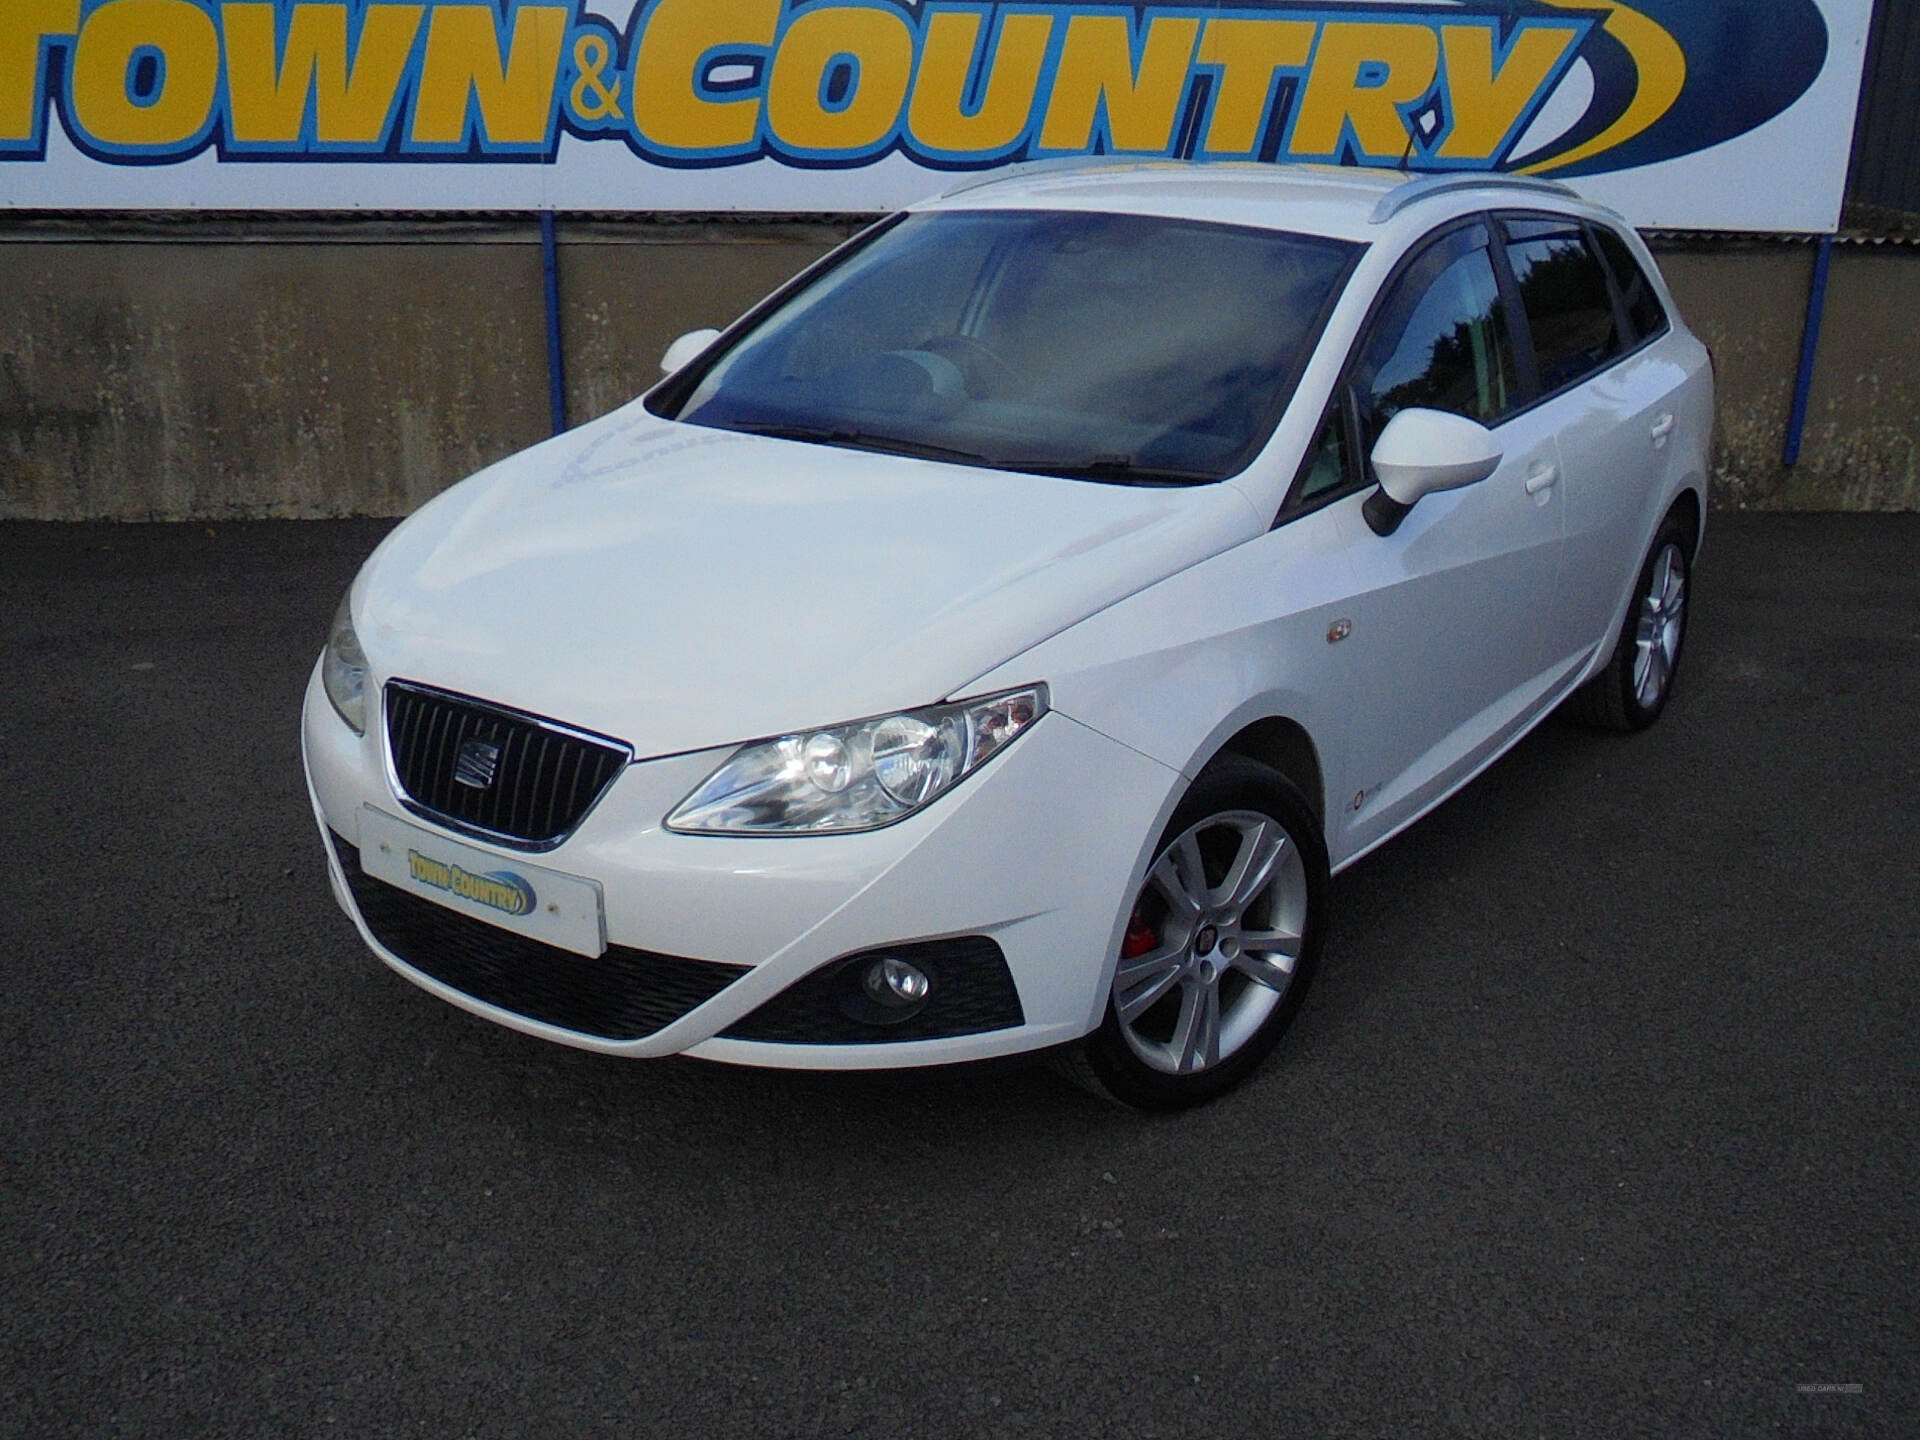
[1222, 943]
[1632, 690]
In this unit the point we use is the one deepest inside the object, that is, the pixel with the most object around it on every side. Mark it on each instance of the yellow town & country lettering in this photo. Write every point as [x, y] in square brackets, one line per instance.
[951, 83]
[504, 892]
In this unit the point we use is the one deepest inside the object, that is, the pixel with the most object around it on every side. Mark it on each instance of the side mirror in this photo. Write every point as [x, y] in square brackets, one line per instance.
[686, 349]
[1422, 452]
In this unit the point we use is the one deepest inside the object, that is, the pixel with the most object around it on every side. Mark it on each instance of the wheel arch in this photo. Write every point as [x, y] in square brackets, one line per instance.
[1686, 507]
[1283, 745]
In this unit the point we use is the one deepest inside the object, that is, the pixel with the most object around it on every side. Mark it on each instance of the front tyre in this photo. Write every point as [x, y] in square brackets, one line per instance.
[1221, 944]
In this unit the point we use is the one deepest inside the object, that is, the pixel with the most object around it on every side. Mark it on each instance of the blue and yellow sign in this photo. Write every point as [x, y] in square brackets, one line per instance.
[500, 890]
[697, 95]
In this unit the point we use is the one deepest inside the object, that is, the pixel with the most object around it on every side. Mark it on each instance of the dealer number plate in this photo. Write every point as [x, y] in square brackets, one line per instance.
[530, 900]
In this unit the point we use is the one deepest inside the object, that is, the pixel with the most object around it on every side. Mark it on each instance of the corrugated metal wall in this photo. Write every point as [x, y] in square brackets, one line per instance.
[1886, 143]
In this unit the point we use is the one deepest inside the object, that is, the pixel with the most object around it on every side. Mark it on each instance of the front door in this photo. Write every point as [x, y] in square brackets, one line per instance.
[1452, 611]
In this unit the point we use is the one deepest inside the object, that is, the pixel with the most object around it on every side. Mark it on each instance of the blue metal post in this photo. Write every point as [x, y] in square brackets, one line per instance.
[556, 360]
[1809, 349]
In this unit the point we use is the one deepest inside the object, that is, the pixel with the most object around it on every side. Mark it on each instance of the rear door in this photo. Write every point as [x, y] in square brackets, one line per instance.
[1609, 387]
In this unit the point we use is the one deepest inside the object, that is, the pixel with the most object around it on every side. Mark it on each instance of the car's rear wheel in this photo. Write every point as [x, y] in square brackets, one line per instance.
[1632, 690]
[1220, 946]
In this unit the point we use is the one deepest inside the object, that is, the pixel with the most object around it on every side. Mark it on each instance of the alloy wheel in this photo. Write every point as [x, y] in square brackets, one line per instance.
[1657, 636]
[1214, 939]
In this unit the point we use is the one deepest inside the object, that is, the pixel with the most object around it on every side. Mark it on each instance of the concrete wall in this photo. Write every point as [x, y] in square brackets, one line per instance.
[159, 381]
[211, 370]
[1861, 449]
[289, 376]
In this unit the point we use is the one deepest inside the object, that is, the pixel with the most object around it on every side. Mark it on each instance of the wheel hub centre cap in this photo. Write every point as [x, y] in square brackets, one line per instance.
[1204, 942]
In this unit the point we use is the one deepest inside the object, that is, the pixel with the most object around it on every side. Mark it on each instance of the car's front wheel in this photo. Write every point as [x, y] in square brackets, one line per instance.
[1221, 943]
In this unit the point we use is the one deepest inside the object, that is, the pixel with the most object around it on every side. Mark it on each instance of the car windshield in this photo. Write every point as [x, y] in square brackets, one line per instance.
[1126, 348]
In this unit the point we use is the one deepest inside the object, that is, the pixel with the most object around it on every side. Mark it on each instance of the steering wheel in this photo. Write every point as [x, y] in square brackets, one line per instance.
[984, 370]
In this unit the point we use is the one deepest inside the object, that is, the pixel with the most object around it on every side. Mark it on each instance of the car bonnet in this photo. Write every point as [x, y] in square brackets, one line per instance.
[679, 587]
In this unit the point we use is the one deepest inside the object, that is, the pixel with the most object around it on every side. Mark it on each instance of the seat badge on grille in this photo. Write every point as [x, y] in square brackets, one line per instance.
[477, 761]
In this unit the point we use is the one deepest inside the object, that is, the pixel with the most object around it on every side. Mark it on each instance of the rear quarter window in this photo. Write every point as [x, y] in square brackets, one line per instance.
[1637, 296]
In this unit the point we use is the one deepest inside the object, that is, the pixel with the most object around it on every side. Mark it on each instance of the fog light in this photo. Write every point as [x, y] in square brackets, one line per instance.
[896, 984]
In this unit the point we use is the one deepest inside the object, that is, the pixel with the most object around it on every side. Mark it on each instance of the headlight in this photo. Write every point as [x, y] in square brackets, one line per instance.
[343, 671]
[859, 776]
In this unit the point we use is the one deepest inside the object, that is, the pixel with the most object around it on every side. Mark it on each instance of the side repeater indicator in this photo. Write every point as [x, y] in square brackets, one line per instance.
[1339, 631]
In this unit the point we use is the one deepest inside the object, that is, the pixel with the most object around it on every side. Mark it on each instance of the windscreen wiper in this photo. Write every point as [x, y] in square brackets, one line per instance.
[1121, 469]
[851, 439]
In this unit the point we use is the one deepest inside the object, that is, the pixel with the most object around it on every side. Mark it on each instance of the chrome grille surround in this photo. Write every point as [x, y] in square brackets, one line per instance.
[544, 780]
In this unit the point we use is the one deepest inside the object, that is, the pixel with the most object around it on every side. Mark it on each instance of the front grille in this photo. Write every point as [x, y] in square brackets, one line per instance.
[623, 995]
[510, 777]
[972, 991]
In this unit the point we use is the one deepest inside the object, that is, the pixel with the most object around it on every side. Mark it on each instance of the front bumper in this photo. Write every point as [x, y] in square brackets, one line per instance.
[1040, 852]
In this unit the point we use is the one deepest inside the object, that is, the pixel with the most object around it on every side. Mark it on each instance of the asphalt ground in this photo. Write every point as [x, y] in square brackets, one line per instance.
[1600, 1121]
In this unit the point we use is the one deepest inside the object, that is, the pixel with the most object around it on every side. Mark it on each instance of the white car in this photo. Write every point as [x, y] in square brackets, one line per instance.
[996, 639]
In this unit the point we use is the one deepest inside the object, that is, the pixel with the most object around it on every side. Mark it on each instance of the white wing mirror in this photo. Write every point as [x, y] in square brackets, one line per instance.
[1422, 452]
[686, 349]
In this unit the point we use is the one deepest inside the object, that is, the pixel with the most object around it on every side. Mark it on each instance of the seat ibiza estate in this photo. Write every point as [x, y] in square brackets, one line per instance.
[996, 639]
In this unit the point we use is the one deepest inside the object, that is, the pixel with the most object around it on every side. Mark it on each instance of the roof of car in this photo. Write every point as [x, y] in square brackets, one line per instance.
[1346, 202]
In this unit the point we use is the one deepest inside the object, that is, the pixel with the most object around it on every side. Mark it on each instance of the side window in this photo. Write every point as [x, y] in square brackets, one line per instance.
[1564, 292]
[1441, 341]
[1636, 291]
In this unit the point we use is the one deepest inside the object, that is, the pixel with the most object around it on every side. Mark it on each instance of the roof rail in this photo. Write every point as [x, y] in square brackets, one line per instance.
[1396, 200]
[1057, 165]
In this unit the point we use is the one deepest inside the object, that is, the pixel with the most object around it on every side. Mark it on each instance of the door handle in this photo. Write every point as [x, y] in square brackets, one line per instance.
[1541, 478]
[1662, 427]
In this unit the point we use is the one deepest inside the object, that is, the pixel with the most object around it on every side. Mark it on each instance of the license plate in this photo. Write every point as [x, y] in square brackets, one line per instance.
[530, 900]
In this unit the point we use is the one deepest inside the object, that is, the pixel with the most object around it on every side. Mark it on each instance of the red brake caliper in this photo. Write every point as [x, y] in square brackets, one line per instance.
[1140, 938]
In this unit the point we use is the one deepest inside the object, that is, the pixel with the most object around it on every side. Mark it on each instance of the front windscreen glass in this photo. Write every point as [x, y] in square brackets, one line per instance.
[1127, 348]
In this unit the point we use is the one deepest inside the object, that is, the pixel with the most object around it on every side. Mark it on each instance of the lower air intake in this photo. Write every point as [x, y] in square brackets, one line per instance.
[623, 995]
